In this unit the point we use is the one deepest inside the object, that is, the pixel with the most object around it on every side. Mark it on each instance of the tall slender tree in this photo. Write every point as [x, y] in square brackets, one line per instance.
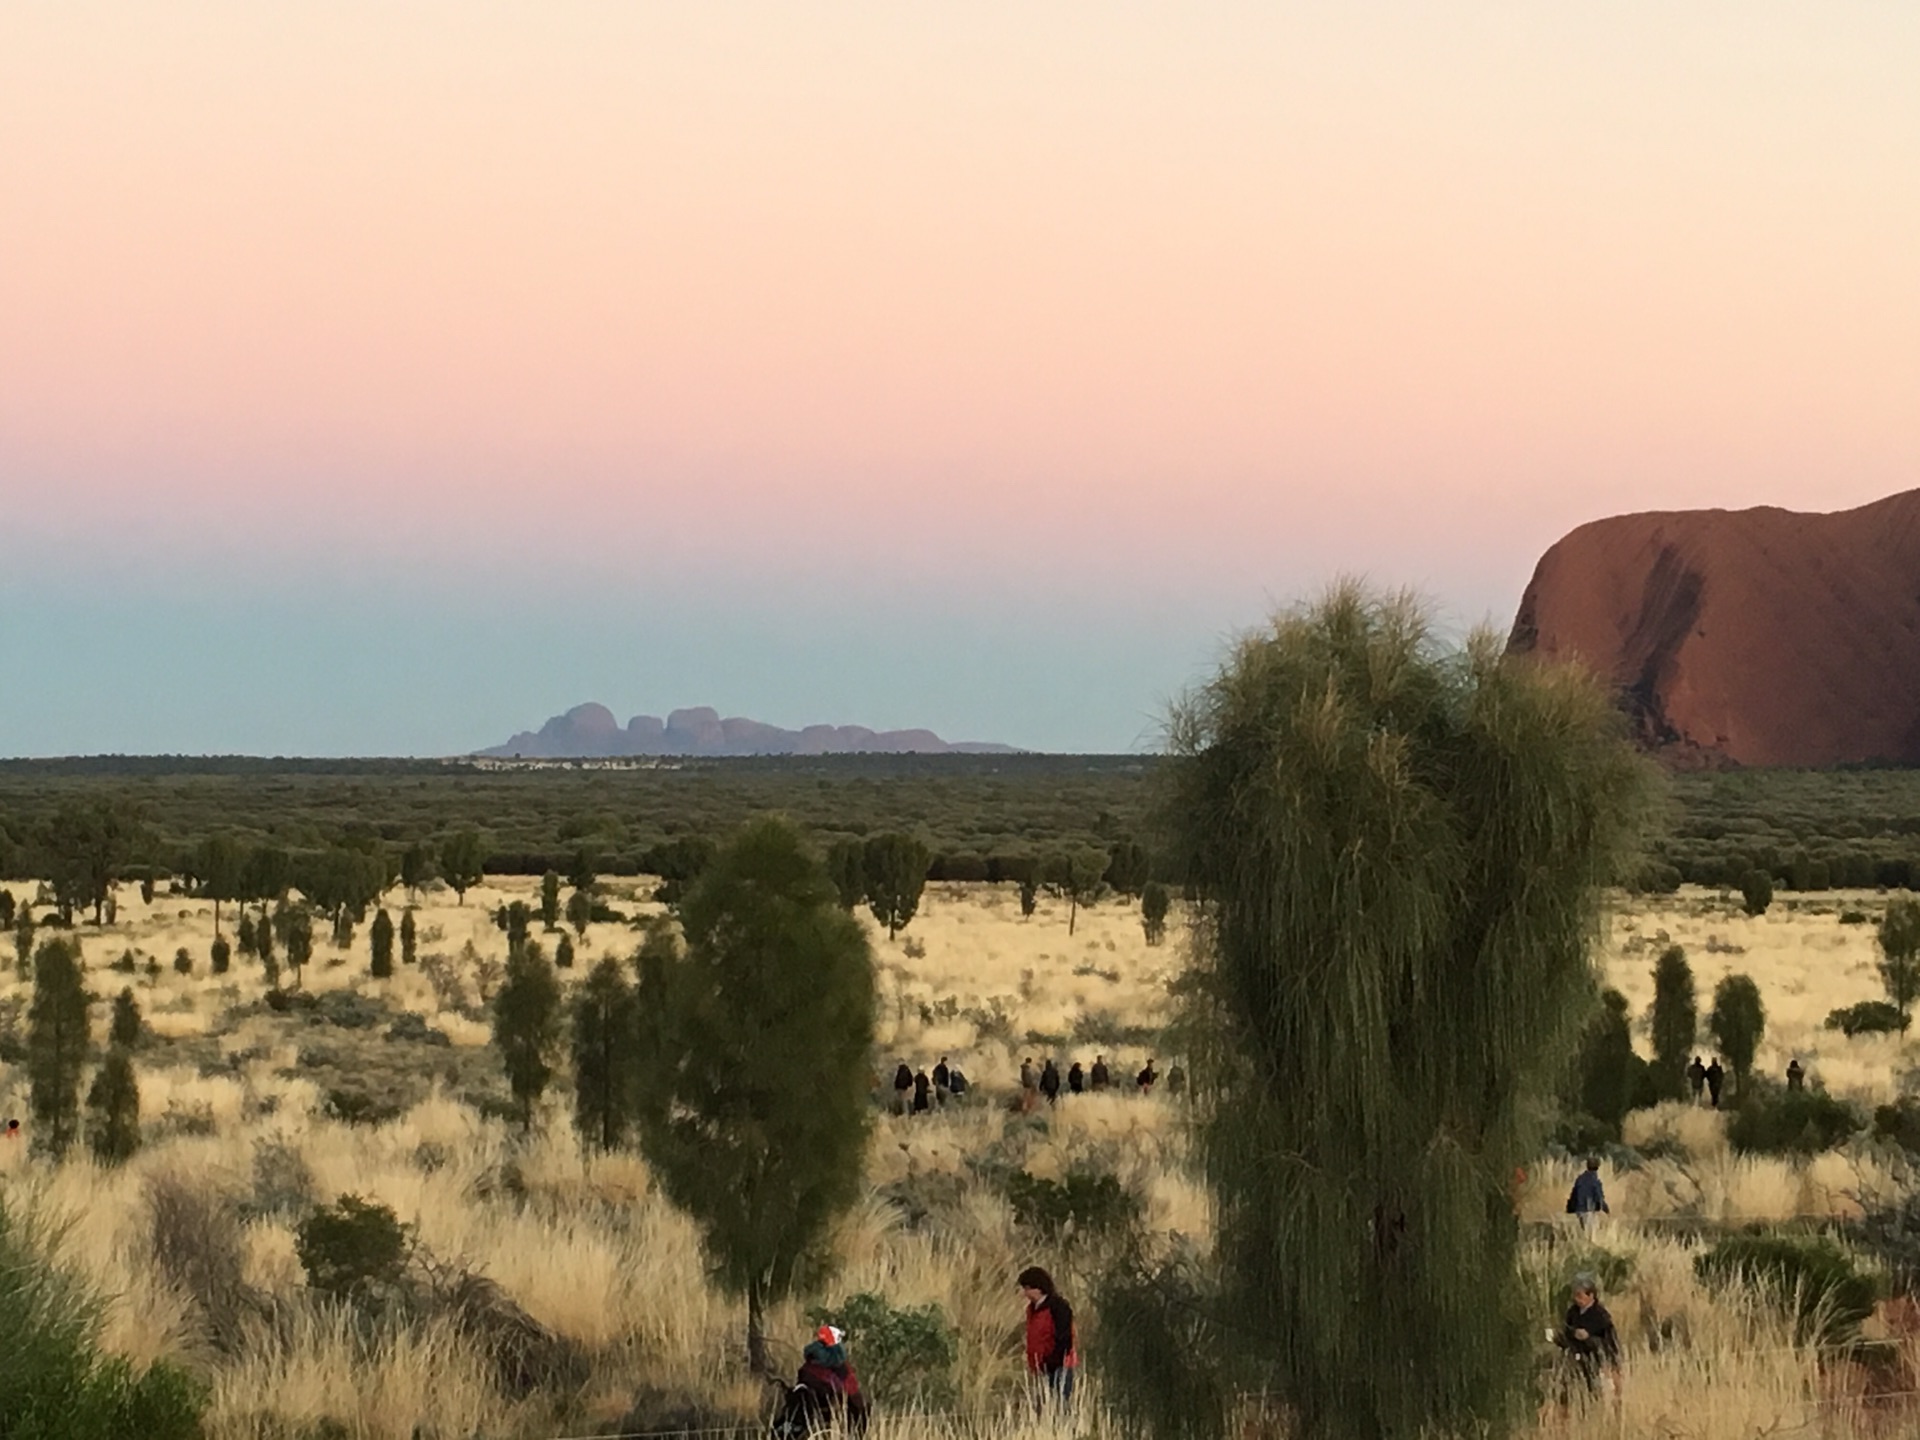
[847, 865]
[409, 937]
[299, 934]
[381, 964]
[1606, 1070]
[1399, 851]
[550, 900]
[57, 1037]
[526, 1025]
[113, 1109]
[1738, 1022]
[125, 1031]
[462, 855]
[1899, 940]
[606, 1019]
[775, 982]
[1154, 904]
[1675, 1021]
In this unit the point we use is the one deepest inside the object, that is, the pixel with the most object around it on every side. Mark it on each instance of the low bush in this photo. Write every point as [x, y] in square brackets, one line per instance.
[354, 1249]
[1899, 1123]
[1867, 1017]
[54, 1382]
[1812, 1278]
[1773, 1121]
[1087, 1203]
[906, 1354]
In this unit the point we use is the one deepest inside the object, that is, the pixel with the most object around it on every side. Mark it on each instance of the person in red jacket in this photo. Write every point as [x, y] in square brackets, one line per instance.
[1051, 1354]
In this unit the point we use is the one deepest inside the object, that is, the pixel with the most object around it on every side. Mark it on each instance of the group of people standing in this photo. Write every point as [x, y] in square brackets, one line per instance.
[1047, 1083]
[915, 1091]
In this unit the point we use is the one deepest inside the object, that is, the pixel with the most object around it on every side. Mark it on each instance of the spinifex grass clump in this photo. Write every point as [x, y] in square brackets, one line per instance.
[1399, 850]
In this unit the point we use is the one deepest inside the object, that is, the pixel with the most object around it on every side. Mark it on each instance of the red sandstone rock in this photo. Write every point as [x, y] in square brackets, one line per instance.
[1750, 637]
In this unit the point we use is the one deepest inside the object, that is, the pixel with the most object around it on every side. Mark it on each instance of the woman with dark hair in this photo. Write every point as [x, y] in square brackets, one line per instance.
[1051, 1355]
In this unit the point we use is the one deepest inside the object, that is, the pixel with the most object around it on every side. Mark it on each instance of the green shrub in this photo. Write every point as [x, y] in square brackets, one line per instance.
[905, 1355]
[1811, 1277]
[353, 1249]
[1610, 1270]
[1899, 1123]
[1892, 1236]
[1087, 1203]
[1773, 1121]
[54, 1383]
[1867, 1017]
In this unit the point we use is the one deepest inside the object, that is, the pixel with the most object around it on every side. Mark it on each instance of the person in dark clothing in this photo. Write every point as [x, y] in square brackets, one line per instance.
[1588, 1201]
[1697, 1078]
[1588, 1337]
[826, 1389]
[902, 1087]
[1050, 1082]
[1716, 1077]
[956, 1082]
[1099, 1077]
[941, 1075]
[1076, 1078]
[1146, 1078]
[1052, 1356]
[1796, 1075]
[922, 1093]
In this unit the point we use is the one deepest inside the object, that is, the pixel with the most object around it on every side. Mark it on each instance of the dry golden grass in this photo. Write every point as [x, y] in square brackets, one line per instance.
[589, 1248]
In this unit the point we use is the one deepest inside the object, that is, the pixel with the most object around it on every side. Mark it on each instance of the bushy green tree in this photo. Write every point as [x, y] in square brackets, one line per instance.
[219, 863]
[580, 912]
[847, 867]
[1400, 852]
[57, 1038]
[1675, 1021]
[416, 868]
[244, 936]
[1079, 876]
[409, 937]
[86, 843]
[754, 1055]
[183, 961]
[526, 1025]
[563, 952]
[583, 870]
[1128, 866]
[381, 938]
[462, 854]
[1738, 1022]
[550, 899]
[7, 906]
[299, 937]
[1899, 940]
[23, 942]
[221, 955]
[1154, 904]
[1756, 891]
[606, 1019]
[113, 1109]
[895, 867]
[1029, 893]
[263, 941]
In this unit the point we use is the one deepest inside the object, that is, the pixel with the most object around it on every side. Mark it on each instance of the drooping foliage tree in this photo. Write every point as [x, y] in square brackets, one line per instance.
[1675, 1021]
[57, 1038]
[755, 1039]
[895, 870]
[1738, 1022]
[1606, 1072]
[526, 1025]
[1398, 852]
[606, 1017]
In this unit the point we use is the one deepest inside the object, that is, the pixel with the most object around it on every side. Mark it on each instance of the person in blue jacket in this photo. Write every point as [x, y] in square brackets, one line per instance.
[1588, 1200]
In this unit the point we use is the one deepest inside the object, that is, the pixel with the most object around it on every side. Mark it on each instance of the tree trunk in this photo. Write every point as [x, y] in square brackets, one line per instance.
[1073, 910]
[216, 917]
[756, 1333]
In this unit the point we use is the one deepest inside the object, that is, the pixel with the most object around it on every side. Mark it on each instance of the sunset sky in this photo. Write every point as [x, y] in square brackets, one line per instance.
[383, 379]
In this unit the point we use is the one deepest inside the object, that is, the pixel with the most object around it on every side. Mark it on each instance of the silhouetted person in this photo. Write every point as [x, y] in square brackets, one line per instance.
[941, 1075]
[1587, 1334]
[1076, 1078]
[1796, 1075]
[1146, 1078]
[1697, 1078]
[1026, 1075]
[922, 1093]
[1050, 1081]
[1099, 1077]
[1176, 1080]
[902, 1087]
[13, 1129]
[956, 1082]
[1588, 1200]
[1716, 1077]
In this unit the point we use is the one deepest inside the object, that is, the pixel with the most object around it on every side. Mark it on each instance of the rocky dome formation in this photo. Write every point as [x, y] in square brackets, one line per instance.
[589, 732]
[1745, 637]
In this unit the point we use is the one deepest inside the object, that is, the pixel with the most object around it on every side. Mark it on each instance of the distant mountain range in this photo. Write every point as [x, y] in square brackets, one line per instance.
[589, 732]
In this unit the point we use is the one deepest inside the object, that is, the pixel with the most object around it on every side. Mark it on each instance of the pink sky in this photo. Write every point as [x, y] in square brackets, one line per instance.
[993, 293]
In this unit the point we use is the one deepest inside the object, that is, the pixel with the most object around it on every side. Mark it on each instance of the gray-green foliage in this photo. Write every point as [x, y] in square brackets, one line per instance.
[907, 1353]
[1675, 1021]
[1738, 1022]
[606, 1018]
[754, 1064]
[113, 1109]
[353, 1249]
[526, 1025]
[461, 856]
[56, 1045]
[1899, 939]
[846, 864]
[895, 871]
[55, 1384]
[298, 933]
[580, 911]
[1399, 852]
[409, 937]
[1756, 891]
[550, 899]
[1079, 876]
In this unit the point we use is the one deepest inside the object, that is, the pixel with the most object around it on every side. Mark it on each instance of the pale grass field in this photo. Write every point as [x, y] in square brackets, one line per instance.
[589, 1249]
